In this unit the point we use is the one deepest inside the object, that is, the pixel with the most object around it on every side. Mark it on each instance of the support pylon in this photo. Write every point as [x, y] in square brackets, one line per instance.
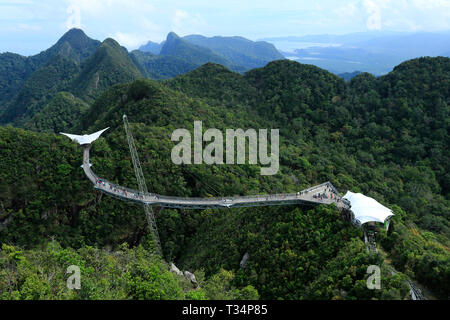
[142, 186]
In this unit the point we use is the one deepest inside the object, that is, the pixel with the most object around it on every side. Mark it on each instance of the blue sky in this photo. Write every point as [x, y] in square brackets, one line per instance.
[28, 27]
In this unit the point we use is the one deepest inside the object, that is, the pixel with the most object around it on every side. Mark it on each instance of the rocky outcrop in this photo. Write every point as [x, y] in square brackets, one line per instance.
[174, 269]
[191, 277]
[244, 260]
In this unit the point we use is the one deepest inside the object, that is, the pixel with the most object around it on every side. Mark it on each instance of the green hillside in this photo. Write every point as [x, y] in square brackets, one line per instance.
[62, 113]
[236, 53]
[86, 67]
[15, 69]
[37, 91]
[74, 45]
[215, 82]
[386, 137]
[160, 67]
[177, 47]
[109, 65]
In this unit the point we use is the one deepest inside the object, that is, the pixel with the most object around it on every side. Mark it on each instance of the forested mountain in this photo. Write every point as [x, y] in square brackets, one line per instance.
[15, 70]
[54, 76]
[62, 113]
[109, 65]
[159, 67]
[386, 137]
[76, 64]
[152, 47]
[177, 47]
[177, 55]
[85, 67]
[74, 45]
[238, 50]
[349, 75]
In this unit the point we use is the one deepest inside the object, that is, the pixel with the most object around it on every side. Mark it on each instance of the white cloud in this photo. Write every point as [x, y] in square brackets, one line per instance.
[151, 30]
[74, 19]
[407, 15]
[431, 4]
[76, 8]
[178, 20]
[147, 30]
[373, 11]
[105, 9]
[135, 21]
[126, 21]
[185, 23]
[130, 40]
[349, 10]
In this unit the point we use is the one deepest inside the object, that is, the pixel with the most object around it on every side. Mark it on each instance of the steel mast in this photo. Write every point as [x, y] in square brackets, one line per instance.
[142, 186]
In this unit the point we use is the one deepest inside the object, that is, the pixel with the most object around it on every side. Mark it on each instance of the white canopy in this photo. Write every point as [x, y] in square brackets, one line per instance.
[86, 138]
[367, 209]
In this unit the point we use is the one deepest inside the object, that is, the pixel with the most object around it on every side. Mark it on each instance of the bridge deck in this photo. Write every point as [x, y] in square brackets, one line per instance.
[328, 194]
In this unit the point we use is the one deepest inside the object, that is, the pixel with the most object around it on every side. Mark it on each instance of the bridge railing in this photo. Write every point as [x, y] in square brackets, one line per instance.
[115, 189]
[334, 189]
[260, 197]
[111, 187]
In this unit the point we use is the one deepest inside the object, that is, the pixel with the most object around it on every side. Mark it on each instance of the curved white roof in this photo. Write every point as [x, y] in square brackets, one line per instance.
[86, 138]
[367, 209]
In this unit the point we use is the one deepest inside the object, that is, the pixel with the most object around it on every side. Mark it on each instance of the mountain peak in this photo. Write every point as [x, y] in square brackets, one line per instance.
[238, 50]
[74, 32]
[111, 42]
[109, 65]
[172, 36]
[74, 37]
[178, 47]
[74, 44]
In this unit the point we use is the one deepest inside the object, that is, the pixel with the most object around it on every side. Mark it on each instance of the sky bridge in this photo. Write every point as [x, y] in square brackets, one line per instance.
[324, 193]
[356, 207]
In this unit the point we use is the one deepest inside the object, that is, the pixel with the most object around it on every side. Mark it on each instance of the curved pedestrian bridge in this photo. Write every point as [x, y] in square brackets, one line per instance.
[324, 193]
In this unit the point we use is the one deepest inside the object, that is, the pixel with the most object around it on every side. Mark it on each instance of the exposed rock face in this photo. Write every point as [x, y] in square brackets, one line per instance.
[174, 269]
[244, 260]
[191, 277]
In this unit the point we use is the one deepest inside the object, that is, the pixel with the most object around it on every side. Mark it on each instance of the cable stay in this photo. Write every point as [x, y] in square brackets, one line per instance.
[142, 186]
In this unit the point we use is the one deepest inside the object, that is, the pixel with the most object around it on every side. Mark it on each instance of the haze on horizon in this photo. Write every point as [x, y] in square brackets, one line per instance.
[28, 26]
